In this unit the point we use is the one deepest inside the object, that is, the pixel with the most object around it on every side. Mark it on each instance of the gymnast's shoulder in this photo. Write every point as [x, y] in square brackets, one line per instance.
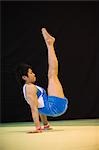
[31, 88]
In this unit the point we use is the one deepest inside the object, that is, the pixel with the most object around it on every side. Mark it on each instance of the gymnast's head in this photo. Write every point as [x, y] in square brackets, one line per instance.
[24, 74]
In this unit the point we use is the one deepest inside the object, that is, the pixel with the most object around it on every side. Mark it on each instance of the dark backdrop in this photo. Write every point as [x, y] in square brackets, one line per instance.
[75, 26]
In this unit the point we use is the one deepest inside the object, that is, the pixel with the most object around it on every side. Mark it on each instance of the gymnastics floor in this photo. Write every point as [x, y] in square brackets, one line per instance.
[65, 135]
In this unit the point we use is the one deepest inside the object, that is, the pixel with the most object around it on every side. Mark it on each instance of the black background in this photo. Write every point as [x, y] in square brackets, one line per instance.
[75, 27]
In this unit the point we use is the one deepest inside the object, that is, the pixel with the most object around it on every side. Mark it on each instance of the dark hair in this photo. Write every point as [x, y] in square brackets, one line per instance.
[22, 69]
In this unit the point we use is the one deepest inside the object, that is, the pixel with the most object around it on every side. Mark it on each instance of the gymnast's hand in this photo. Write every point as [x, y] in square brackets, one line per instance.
[49, 40]
[36, 131]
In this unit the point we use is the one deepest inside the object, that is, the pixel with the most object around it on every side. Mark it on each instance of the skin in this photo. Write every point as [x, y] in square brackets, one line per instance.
[31, 91]
[54, 85]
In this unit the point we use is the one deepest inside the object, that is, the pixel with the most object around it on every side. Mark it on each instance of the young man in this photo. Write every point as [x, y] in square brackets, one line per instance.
[55, 103]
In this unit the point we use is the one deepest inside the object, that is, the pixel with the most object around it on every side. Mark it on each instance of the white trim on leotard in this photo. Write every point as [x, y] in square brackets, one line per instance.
[40, 99]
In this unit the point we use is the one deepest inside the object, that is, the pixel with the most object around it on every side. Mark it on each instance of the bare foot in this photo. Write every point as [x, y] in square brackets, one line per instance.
[49, 40]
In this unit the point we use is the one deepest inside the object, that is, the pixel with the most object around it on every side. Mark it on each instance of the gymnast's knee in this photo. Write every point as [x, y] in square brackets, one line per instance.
[52, 74]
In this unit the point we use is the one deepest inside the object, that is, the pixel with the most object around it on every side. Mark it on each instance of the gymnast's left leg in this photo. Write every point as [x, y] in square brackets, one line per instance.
[54, 85]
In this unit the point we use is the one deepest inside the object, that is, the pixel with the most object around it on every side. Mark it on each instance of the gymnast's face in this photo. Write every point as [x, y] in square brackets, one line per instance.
[30, 78]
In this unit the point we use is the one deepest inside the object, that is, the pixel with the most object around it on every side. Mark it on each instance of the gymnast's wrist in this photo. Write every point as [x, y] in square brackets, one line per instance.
[38, 128]
[47, 125]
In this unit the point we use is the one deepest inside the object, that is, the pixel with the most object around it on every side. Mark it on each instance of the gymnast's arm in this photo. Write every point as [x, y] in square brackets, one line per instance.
[33, 102]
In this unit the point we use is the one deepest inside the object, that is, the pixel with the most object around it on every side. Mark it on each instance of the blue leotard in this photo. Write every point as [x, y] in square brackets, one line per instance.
[50, 105]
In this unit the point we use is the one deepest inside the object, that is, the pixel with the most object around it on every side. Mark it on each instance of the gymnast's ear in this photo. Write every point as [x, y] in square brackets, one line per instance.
[24, 77]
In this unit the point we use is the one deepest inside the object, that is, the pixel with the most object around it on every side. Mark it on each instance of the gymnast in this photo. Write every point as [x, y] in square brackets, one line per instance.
[51, 103]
